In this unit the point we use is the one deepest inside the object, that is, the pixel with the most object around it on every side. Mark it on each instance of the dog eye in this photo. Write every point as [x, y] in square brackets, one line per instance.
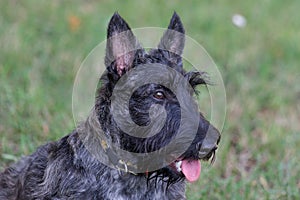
[159, 95]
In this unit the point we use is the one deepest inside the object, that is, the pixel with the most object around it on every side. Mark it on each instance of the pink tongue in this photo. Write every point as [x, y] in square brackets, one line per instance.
[191, 169]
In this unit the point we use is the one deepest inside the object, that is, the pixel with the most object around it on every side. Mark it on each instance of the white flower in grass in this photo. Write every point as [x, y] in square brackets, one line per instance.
[239, 20]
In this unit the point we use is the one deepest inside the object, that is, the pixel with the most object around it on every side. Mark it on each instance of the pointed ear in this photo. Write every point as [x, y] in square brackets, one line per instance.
[173, 40]
[121, 46]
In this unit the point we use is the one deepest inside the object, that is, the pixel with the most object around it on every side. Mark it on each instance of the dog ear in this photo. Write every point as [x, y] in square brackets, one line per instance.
[173, 40]
[121, 46]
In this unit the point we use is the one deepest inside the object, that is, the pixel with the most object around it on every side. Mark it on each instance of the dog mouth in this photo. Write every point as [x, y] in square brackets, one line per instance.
[191, 168]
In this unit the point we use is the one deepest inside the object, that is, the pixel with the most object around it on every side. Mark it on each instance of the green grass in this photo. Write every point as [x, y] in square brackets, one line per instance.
[259, 154]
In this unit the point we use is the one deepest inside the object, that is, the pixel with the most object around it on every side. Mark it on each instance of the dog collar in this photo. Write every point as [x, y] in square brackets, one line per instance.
[99, 144]
[118, 163]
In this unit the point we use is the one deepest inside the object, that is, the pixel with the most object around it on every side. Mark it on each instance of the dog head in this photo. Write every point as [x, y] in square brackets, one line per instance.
[154, 104]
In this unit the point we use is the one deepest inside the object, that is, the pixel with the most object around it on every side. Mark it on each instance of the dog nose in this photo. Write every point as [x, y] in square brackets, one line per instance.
[210, 142]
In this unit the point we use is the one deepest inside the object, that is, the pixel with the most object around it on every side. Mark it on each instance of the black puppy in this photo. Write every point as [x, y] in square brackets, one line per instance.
[76, 167]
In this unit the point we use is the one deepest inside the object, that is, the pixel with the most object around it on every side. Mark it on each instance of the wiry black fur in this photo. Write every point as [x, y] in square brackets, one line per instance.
[66, 170]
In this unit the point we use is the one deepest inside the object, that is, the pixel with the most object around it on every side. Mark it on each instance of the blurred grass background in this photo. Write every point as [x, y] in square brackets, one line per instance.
[42, 44]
